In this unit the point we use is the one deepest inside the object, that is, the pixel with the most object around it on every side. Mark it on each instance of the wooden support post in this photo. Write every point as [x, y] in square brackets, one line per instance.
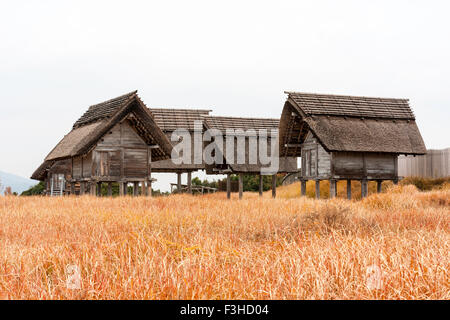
[261, 185]
[93, 188]
[317, 189]
[349, 189]
[241, 185]
[395, 181]
[189, 182]
[122, 186]
[82, 188]
[228, 186]
[178, 182]
[379, 182]
[72, 188]
[135, 188]
[143, 189]
[274, 185]
[303, 187]
[364, 188]
[99, 189]
[149, 188]
[47, 186]
[332, 188]
[109, 189]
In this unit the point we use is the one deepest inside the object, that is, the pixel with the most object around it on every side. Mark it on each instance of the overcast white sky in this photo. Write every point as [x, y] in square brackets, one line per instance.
[235, 57]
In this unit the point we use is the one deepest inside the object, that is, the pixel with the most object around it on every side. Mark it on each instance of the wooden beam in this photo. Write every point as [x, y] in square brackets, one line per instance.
[228, 186]
[241, 185]
[72, 188]
[274, 186]
[317, 189]
[82, 188]
[349, 189]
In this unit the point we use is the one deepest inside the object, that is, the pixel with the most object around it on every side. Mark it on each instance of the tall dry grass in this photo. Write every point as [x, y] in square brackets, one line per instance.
[205, 247]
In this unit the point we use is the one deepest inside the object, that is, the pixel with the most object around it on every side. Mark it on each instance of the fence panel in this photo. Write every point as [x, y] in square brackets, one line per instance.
[435, 164]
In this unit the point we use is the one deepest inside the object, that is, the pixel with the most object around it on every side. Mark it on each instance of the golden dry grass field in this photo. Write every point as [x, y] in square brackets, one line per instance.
[393, 245]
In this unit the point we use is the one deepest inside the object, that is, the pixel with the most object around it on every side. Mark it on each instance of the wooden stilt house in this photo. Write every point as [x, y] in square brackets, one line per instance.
[347, 138]
[170, 120]
[115, 141]
[247, 167]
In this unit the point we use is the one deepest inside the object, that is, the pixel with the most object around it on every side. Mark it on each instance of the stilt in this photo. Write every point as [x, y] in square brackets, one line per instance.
[241, 185]
[379, 182]
[109, 189]
[72, 188]
[261, 185]
[349, 189]
[189, 182]
[149, 188]
[395, 181]
[317, 189]
[178, 182]
[332, 188]
[122, 187]
[82, 188]
[93, 188]
[303, 187]
[228, 186]
[143, 188]
[135, 189]
[99, 189]
[364, 188]
[274, 186]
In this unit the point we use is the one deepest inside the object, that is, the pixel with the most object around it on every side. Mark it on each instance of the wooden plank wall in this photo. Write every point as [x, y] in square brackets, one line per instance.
[435, 164]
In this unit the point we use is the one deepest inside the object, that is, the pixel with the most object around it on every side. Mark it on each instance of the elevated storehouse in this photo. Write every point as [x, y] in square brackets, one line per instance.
[115, 141]
[170, 120]
[245, 129]
[347, 138]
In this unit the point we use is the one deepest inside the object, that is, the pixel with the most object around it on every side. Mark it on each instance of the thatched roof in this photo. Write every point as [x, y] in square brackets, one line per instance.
[169, 120]
[223, 123]
[346, 123]
[99, 119]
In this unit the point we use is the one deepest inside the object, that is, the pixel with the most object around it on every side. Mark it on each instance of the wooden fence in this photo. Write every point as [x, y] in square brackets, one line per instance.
[435, 164]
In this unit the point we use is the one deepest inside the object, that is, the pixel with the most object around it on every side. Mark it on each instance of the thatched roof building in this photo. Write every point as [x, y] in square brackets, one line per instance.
[169, 120]
[347, 123]
[245, 124]
[345, 137]
[111, 141]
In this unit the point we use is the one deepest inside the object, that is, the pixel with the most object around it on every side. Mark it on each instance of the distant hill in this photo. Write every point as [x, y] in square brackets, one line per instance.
[18, 184]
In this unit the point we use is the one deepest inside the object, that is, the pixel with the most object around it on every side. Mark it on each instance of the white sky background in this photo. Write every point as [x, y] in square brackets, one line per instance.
[235, 57]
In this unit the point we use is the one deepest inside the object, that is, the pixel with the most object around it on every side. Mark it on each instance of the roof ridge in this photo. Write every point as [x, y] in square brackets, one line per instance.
[178, 109]
[116, 98]
[104, 109]
[343, 95]
[245, 118]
